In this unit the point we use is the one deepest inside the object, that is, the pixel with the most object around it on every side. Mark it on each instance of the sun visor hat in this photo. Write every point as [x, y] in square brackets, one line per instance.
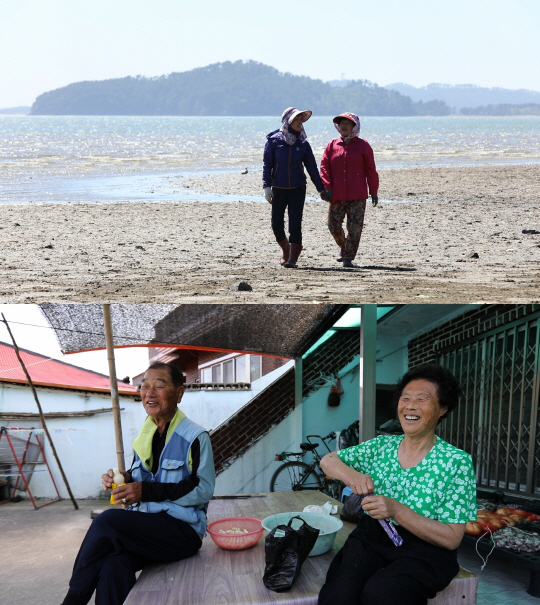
[291, 112]
[347, 115]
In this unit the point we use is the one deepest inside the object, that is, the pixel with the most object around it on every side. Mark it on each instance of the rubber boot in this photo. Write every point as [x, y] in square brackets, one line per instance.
[285, 246]
[296, 249]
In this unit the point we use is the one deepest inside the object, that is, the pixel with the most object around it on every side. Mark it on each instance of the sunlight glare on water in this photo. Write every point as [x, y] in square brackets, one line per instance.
[42, 157]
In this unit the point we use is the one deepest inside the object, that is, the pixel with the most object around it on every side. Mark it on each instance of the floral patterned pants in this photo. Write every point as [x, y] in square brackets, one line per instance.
[355, 210]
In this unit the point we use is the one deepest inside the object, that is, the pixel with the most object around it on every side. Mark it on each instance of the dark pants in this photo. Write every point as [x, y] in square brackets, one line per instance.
[370, 570]
[293, 201]
[117, 545]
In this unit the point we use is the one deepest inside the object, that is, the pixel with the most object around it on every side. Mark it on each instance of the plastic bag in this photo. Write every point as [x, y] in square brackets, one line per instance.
[326, 509]
[352, 509]
[285, 550]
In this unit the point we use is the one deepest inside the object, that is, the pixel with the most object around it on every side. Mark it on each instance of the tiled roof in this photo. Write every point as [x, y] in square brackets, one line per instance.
[53, 373]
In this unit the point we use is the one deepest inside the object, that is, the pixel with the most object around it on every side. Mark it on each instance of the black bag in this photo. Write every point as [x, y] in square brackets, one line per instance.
[352, 509]
[286, 553]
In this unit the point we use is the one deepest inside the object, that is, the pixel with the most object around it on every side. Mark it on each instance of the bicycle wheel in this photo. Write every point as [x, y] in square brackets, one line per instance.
[293, 477]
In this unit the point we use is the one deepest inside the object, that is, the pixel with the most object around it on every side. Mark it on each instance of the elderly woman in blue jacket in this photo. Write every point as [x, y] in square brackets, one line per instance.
[165, 496]
[286, 153]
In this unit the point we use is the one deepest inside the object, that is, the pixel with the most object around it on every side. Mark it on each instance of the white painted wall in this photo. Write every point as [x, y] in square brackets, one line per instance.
[86, 446]
[212, 408]
[252, 472]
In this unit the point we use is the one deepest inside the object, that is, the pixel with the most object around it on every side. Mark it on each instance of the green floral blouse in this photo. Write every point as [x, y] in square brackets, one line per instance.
[442, 486]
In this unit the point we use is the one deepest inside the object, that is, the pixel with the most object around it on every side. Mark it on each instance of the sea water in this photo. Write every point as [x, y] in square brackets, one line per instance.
[111, 158]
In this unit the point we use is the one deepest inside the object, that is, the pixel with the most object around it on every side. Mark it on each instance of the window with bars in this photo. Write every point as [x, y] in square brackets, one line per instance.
[498, 420]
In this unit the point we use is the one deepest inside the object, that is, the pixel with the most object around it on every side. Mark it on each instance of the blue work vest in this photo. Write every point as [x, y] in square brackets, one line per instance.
[173, 468]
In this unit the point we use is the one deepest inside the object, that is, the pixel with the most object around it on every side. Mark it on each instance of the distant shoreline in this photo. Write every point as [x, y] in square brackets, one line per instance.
[17, 112]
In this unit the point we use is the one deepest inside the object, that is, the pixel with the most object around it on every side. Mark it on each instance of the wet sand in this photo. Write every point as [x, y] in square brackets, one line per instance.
[441, 235]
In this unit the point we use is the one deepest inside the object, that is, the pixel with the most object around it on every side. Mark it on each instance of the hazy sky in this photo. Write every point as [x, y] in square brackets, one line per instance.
[32, 331]
[46, 44]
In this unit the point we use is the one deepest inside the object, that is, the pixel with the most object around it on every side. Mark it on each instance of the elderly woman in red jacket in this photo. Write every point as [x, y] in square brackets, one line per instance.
[347, 170]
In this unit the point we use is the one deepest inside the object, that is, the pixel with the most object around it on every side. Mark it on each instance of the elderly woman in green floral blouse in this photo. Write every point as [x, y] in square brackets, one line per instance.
[423, 485]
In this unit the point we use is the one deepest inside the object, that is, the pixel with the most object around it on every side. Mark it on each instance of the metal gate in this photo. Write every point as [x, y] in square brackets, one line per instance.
[498, 419]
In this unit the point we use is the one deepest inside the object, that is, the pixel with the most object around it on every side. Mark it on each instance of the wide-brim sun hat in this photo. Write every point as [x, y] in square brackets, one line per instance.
[293, 112]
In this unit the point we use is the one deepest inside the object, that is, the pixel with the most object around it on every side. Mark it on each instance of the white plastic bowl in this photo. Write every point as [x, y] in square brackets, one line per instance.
[328, 525]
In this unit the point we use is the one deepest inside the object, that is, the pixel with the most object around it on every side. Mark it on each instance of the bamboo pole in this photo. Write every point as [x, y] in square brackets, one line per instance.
[114, 387]
[41, 416]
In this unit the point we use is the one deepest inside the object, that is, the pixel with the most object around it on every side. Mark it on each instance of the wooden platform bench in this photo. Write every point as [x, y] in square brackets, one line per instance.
[215, 575]
[462, 589]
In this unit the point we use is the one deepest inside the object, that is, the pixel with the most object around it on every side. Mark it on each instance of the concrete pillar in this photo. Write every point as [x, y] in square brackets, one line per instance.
[298, 421]
[368, 371]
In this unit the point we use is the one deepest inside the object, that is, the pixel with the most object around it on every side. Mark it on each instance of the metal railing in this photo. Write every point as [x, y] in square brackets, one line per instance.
[498, 420]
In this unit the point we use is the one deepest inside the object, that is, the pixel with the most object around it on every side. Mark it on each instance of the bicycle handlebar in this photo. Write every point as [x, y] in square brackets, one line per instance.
[331, 435]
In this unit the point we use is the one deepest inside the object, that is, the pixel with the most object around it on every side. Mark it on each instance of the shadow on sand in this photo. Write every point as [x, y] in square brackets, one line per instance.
[356, 267]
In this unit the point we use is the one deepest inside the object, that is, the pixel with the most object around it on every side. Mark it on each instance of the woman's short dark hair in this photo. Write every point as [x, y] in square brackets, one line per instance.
[177, 377]
[448, 387]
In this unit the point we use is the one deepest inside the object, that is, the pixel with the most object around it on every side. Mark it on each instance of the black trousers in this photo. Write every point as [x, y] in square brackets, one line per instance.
[371, 570]
[117, 545]
[293, 201]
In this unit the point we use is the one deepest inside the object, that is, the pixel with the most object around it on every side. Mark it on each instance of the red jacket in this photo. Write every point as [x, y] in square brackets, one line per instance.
[348, 170]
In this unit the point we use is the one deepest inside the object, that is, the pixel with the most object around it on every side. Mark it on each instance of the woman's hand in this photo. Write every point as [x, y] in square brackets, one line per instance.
[447, 535]
[360, 483]
[326, 195]
[381, 507]
[131, 493]
[268, 195]
[107, 478]
[332, 465]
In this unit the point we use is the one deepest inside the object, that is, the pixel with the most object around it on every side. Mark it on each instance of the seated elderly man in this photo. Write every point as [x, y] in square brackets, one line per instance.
[166, 496]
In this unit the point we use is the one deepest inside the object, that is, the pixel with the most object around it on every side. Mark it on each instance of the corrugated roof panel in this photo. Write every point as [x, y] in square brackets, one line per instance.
[53, 373]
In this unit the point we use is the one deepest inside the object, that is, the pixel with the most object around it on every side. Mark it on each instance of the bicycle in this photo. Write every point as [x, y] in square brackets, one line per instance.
[349, 436]
[296, 475]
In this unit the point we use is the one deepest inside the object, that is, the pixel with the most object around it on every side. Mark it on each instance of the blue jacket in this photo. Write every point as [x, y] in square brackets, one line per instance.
[283, 164]
[173, 468]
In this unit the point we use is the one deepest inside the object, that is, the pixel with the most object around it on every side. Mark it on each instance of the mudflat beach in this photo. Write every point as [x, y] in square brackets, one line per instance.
[441, 235]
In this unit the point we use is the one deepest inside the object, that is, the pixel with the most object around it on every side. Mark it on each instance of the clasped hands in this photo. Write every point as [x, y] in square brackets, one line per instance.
[127, 494]
[326, 195]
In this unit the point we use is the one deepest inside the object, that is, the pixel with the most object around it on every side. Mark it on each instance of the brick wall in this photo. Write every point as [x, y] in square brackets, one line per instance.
[191, 372]
[208, 356]
[330, 357]
[424, 348]
[233, 438]
[269, 364]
